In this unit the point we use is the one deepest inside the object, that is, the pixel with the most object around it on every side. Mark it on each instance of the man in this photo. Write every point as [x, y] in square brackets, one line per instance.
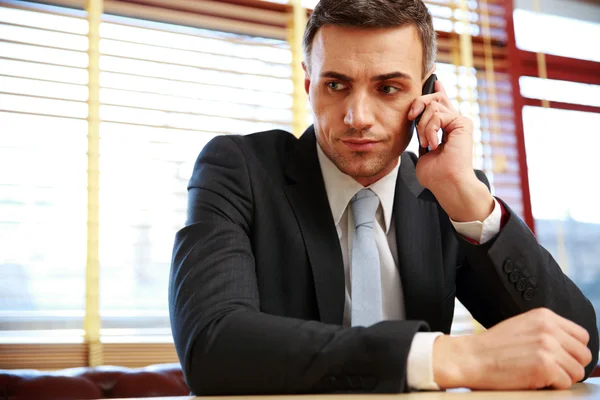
[282, 282]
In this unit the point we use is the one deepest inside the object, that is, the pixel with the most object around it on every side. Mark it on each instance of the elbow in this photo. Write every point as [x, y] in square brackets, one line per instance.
[204, 360]
[196, 365]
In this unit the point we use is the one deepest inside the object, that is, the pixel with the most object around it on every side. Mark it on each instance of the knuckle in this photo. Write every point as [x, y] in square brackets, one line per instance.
[544, 312]
[543, 361]
[544, 325]
[545, 341]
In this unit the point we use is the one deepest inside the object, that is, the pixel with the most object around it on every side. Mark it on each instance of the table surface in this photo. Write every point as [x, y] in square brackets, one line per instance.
[582, 391]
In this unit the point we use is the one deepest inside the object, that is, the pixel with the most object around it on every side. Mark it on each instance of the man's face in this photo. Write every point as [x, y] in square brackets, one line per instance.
[361, 85]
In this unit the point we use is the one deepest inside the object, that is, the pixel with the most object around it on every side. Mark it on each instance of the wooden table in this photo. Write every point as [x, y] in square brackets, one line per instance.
[590, 390]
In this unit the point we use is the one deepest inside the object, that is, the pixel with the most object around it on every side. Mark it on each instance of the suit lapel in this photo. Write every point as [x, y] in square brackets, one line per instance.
[419, 247]
[306, 193]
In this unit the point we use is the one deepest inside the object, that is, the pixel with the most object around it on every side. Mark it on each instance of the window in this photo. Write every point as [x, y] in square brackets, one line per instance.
[43, 149]
[562, 164]
[561, 143]
[556, 35]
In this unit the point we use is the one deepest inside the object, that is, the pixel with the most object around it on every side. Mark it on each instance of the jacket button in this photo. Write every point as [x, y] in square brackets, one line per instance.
[522, 284]
[529, 293]
[514, 276]
[509, 265]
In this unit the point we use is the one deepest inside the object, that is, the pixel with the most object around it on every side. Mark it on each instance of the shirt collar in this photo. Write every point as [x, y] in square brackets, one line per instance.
[341, 188]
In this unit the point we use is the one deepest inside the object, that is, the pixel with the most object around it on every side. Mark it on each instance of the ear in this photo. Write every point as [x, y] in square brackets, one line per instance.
[306, 79]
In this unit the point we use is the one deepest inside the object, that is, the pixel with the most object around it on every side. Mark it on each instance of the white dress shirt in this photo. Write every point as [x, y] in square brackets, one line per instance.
[340, 189]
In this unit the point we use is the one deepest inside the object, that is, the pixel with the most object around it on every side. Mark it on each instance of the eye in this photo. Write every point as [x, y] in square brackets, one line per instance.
[387, 89]
[336, 86]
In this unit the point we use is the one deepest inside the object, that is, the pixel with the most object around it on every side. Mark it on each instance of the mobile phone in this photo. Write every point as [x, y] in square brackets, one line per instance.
[428, 88]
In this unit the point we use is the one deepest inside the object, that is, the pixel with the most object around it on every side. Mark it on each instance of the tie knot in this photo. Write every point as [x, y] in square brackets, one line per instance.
[364, 205]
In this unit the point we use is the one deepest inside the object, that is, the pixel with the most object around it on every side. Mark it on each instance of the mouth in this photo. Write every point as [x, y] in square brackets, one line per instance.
[360, 144]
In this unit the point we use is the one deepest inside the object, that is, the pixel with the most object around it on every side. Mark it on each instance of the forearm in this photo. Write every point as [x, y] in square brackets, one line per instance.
[226, 345]
[246, 352]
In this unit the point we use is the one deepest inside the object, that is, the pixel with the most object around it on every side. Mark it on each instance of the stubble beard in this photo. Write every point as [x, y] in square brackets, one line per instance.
[360, 164]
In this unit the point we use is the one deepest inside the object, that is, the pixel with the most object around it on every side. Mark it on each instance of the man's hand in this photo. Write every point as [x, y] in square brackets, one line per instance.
[533, 350]
[447, 170]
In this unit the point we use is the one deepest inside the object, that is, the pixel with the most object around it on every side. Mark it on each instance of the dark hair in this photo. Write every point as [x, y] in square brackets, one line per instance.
[373, 14]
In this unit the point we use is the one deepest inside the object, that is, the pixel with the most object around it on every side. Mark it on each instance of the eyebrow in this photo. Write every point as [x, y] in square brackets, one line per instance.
[392, 75]
[376, 78]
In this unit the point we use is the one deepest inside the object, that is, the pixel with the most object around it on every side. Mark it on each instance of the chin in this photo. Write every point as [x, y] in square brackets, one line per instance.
[359, 169]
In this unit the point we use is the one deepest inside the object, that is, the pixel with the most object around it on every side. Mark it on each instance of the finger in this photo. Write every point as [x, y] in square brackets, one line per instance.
[417, 107]
[420, 104]
[570, 365]
[548, 320]
[422, 128]
[573, 329]
[431, 131]
[561, 380]
[435, 117]
[574, 347]
[555, 353]
[442, 96]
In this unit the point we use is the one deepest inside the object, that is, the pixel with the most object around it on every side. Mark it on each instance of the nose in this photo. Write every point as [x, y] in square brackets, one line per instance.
[358, 112]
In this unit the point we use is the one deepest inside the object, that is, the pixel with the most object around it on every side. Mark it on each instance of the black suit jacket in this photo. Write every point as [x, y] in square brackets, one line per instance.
[256, 291]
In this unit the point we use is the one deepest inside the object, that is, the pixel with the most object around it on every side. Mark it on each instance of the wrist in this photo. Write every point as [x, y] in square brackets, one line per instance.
[465, 200]
[451, 360]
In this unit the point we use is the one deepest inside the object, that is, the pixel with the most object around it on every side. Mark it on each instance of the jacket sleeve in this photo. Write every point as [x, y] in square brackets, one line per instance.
[513, 273]
[226, 345]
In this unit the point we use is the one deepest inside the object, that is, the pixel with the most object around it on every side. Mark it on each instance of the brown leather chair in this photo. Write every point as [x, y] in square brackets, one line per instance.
[100, 382]
[93, 383]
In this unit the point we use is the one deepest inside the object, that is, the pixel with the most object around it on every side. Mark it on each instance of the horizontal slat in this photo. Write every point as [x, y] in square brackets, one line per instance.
[221, 9]
[75, 11]
[178, 73]
[456, 5]
[200, 66]
[42, 356]
[191, 19]
[58, 356]
[178, 17]
[478, 62]
[43, 37]
[447, 44]
[138, 354]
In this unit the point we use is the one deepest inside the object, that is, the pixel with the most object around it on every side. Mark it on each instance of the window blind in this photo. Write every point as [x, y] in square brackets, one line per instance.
[43, 159]
[165, 92]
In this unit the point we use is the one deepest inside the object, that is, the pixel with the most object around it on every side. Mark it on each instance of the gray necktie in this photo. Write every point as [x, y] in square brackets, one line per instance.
[366, 275]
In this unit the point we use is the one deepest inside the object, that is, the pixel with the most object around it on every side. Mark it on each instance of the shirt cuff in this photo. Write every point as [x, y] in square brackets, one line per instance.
[419, 367]
[481, 232]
